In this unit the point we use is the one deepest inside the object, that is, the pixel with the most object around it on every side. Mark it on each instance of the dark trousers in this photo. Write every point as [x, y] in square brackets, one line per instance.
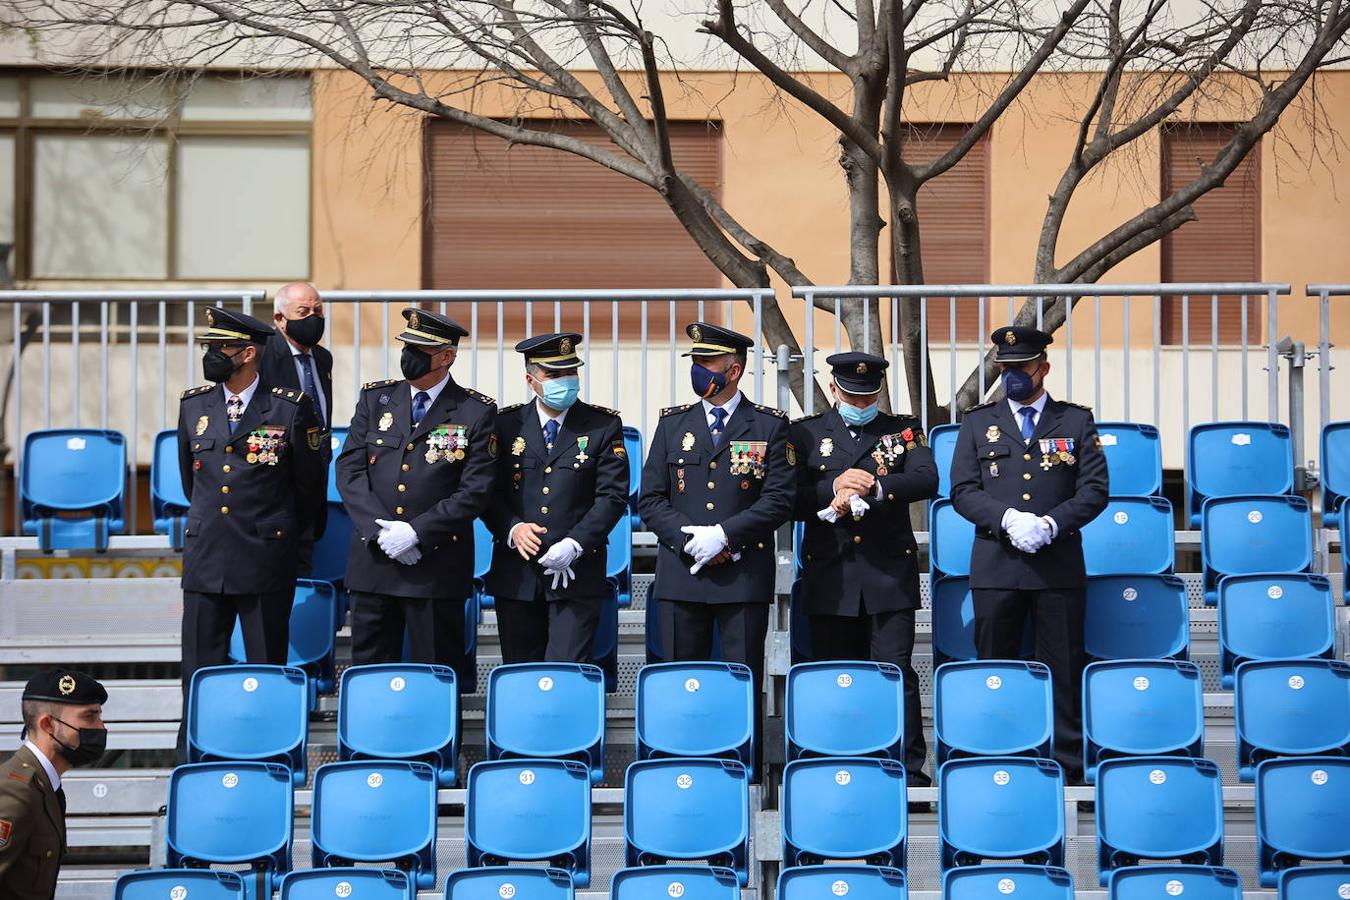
[883, 637]
[434, 629]
[208, 622]
[542, 630]
[1000, 618]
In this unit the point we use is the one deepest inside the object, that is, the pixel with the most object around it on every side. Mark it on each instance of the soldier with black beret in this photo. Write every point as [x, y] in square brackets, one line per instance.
[249, 459]
[562, 484]
[62, 729]
[859, 470]
[1029, 472]
[416, 470]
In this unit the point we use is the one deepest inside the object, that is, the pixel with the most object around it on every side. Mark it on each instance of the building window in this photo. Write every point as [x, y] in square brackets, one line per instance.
[1222, 243]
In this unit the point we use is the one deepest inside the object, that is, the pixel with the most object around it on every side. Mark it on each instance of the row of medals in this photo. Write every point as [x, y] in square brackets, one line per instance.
[263, 445]
[446, 446]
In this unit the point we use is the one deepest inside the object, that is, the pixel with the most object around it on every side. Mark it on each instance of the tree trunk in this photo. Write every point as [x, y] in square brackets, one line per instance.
[906, 247]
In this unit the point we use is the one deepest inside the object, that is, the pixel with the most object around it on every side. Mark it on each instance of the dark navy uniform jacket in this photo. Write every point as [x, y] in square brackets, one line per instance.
[746, 485]
[437, 477]
[870, 564]
[252, 493]
[578, 490]
[1060, 472]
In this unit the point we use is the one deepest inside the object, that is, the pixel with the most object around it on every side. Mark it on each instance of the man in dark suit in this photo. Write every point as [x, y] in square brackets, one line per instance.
[249, 459]
[1029, 472]
[859, 470]
[562, 484]
[293, 359]
[62, 728]
[416, 470]
[719, 480]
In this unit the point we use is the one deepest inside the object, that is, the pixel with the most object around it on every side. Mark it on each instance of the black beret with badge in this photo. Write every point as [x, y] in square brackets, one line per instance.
[1019, 343]
[426, 328]
[227, 326]
[857, 373]
[714, 340]
[65, 686]
[555, 352]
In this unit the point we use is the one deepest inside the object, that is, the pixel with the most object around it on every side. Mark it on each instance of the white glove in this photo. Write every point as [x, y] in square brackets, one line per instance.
[409, 557]
[561, 555]
[396, 537]
[561, 577]
[1027, 532]
[705, 542]
[856, 504]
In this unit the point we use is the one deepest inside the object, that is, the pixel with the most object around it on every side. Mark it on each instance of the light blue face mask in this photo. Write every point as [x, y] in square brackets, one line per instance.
[856, 417]
[560, 393]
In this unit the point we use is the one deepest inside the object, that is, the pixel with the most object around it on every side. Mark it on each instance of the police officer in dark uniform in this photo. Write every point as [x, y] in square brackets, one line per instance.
[562, 484]
[62, 729]
[249, 459]
[859, 470]
[416, 470]
[1030, 473]
[719, 480]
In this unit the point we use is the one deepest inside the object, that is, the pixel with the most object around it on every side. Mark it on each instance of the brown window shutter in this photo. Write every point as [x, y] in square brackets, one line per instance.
[1223, 243]
[953, 226]
[525, 217]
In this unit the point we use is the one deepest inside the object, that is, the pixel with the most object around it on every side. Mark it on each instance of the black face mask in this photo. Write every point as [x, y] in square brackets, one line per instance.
[93, 744]
[414, 363]
[307, 331]
[218, 366]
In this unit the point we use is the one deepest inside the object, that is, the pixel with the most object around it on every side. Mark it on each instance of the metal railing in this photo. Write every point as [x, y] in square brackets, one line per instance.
[1324, 293]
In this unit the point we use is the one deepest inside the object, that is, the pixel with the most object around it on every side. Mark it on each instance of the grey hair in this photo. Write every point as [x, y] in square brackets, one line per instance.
[534, 369]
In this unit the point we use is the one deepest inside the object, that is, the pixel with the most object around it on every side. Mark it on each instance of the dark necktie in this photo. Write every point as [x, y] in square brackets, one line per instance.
[1028, 422]
[61, 798]
[720, 417]
[307, 381]
[421, 400]
[550, 432]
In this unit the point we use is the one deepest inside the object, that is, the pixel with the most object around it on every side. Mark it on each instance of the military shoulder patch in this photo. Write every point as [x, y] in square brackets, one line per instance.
[672, 410]
[769, 410]
[512, 408]
[371, 385]
[791, 454]
[481, 398]
[620, 450]
[314, 436]
[492, 445]
[6, 830]
[199, 389]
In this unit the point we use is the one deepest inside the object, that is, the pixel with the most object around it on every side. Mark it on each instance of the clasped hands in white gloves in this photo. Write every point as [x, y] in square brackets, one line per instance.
[558, 561]
[398, 541]
[705, 544]
[857, 506]
[1027, 531]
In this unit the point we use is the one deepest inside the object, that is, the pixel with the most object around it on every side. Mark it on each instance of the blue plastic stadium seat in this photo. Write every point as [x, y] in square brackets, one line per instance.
[368, 811]
[633, 445]
[1252, 535]
[72, 483]
[1228, 459]
[1158, 807]
[249, 712]
[1026, 882]
[1137, 617]
[400, 711]
[482, 563]
[513, 882]
[680, 809]
[695, 709]
[362, 884]
[992, 708]
[547, 710]
[1302, 813]
[1291, 708]
[198, 884]
[312, 640]
[619, 560]
[684, 882]
[845, 709]
[1141, 707]
[1191, 882]
[530, 809]
[1335, 471]
[1274, 617]
[942, 441]
[229, 813]
[1133, 535]
[168, 503]
[855, 882]
[1314, 883]
[337, 439]
[837, 808]
[1006, 808]
[953, 611]
[950, 540]
[1133, 458]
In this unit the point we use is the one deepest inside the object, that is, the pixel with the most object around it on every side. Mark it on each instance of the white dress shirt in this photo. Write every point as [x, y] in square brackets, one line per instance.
[1038, 404]
[46, 765]
[730, 407]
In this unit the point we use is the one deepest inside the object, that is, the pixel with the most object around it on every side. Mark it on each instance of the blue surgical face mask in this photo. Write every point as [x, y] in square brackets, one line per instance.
[706, 382]
[1018, 385]
[561, 392]
[855, 416]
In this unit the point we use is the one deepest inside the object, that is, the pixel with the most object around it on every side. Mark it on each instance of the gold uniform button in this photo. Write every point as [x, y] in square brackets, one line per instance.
[543, 509]
[548, 470]
[398, 510]
[822, 467]
[1026, 496]
[406, 467]
[712, 465]
[760, 545]
[1026, 456]
[545, 489]
[455, 538]
[380, 442]
[229, 448]
[890, 496]
[410, 446]
[278, 532]
[224, 510]
[402, 488]
[1026, 476]
[857, 539]
[681, 460]
[909, 552]
[49, 854]
[711, 485]
[224, 488]
[225, 468]
[712, 506]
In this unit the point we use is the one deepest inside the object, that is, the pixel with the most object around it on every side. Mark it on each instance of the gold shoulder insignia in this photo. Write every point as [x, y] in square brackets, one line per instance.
[288, 394]
[370, 385]
[1081, 406]
[194, 391]
[606, 410]
[769, 410]
[672, 410]
[984, 405]
[512, 408]
[807, 418]
[481, 398]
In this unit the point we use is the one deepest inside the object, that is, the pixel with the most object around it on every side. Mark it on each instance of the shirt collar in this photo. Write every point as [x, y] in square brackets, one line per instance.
[246, 395]
[545, 418]
[729, 406]
[46, 765]
[1038, 405]
[433, 392]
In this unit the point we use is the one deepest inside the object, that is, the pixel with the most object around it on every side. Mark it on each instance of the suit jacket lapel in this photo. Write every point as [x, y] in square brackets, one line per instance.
[50, 803]
[572, 426]
[1011, 428]
[532, 431]
[1049, 420]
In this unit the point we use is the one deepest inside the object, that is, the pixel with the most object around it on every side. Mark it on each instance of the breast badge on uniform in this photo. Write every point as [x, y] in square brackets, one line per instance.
[386, 421]
[202, 424]
[826, 446]
[687, 442]
[993, 435]
[518, 446]
[581, 451]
